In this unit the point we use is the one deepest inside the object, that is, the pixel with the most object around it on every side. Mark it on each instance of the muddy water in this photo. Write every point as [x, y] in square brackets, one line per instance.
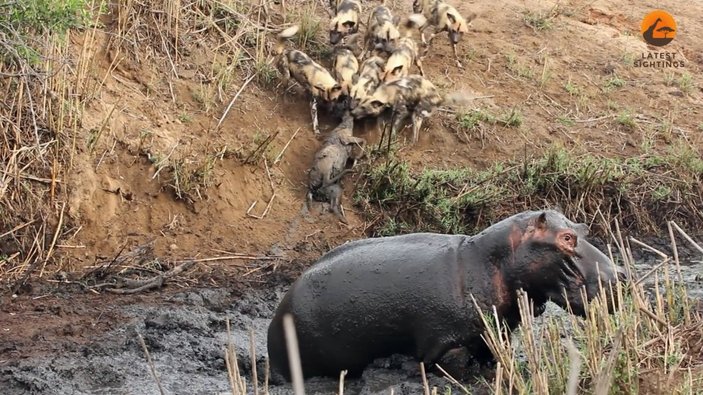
[187, 345]
[186, 337]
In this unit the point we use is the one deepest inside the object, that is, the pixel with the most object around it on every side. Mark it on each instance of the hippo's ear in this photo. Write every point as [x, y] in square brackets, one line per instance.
[541, 222]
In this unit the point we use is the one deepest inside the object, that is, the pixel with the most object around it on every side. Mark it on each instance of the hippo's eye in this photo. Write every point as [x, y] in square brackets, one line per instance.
[569, 238]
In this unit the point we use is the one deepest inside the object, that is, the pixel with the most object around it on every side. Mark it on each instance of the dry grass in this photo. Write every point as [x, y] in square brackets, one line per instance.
[41, 111]
[47, 82]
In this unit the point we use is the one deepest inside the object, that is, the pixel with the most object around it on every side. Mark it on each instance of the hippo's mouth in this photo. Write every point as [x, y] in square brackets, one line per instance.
[571, 270]
[571, 280]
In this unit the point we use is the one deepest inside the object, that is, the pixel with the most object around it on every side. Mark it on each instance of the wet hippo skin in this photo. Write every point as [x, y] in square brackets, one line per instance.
[411, 294]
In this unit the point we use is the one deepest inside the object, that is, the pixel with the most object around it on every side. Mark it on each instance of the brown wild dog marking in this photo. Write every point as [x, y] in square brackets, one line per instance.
[355, 42]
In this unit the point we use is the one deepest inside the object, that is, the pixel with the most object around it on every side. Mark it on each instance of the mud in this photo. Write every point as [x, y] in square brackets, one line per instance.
[186, 336]
[86, 344]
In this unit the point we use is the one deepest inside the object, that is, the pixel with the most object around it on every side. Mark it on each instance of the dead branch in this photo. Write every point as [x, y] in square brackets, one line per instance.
[244, 85]
[128, 286]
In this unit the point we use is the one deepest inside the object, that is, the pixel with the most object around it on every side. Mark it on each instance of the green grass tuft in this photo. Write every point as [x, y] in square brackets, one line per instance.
[464, 200]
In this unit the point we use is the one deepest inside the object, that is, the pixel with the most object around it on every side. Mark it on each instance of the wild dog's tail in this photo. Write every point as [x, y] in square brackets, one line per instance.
[415, 21]
[283, 36]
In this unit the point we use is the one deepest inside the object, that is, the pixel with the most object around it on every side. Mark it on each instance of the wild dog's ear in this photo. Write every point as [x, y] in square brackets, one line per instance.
[349, 24]
[541, 222]
[377, 103]
[321, 91]
[396, 20]
[397, 69]
[451, 17]
[335, 89]
[334, 24]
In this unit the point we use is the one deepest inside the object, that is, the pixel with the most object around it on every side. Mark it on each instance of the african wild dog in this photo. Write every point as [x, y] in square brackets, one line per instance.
[345, 21]
[382, 30]
[369, 79]
[413, 96]
[310, 75]
[345, 67]
[330, 163]
[443, 17]
[403, 56]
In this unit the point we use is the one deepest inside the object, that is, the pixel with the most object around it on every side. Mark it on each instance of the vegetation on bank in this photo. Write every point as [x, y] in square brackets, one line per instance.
[40, 112]
[641, 192]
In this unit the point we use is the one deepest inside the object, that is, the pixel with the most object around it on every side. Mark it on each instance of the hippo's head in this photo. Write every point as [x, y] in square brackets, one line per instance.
[552, 260]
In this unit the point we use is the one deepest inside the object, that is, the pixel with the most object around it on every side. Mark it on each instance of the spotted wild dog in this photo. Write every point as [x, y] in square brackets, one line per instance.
[345, 21]
[382, 30]
[329, 165]
[345, 67]
[369, 79]
[314, 78]
[413, 96]
[443, 17]
[355, 43]
[403, 56]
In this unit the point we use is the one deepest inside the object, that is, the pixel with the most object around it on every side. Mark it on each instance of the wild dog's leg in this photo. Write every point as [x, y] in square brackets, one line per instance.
[283, 68]
[313, 115]
[456, 56]
[418, 63]
[399, 117]
[429, 43]
[417, 118]
[422, 34]
[384, 123]
[393, 129]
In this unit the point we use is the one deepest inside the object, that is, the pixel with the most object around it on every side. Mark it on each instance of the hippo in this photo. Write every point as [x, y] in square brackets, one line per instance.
[412, 294]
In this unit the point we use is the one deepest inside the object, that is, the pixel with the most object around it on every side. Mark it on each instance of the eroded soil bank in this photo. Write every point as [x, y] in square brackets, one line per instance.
[55, 342]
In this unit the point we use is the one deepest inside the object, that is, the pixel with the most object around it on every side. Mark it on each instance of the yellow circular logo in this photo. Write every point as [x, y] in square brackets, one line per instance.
[658, 28]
